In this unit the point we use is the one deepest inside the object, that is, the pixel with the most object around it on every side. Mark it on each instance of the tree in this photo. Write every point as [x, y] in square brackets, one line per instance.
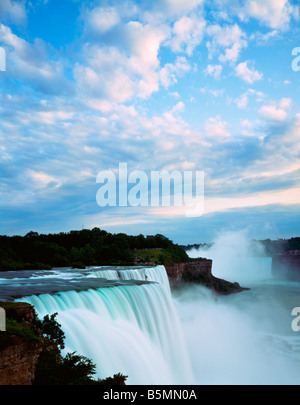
[73, 369]
[52, 329]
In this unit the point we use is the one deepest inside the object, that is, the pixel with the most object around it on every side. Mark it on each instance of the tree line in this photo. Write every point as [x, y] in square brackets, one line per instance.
[78, 249]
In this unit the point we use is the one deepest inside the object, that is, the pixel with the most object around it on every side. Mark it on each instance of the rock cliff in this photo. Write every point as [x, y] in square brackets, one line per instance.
[200, 271]
[20, 347]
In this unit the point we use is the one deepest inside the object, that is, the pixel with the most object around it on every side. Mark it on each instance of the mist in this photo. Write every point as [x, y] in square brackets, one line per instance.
[236, 258]
[242, 338]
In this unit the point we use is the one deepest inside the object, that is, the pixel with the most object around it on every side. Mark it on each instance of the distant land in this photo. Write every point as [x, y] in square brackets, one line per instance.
[97, 247]
[82, 248]
[270, 247]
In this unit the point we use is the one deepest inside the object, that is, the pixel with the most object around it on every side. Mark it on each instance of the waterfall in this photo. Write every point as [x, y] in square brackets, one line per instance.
[132, 329]
[157, 274]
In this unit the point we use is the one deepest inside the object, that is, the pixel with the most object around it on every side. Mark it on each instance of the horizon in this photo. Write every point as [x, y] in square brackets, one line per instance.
[199, 86]
[178, 243]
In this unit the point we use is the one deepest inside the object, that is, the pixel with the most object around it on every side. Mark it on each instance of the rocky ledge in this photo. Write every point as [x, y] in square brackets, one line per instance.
[200, 271]
[20, 348]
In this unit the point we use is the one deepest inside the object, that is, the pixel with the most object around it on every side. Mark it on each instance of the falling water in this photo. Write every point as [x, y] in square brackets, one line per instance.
[157, 274]
[132, 329]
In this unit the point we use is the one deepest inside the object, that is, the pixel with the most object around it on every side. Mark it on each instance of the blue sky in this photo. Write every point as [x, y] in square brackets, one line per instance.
[200, 85]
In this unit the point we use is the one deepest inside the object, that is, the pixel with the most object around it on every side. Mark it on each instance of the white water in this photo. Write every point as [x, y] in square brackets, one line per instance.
[244, 338]
[157, 274]
[191, 337]
[132, 329]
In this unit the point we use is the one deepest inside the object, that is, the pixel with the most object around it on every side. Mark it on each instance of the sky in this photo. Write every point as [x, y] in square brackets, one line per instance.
[207, 86]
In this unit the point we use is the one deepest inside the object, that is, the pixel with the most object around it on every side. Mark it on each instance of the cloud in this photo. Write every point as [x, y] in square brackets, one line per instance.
[247, 74]
[175, 7]
[127, 66]
[43, 180]
[170, 72]
[104, 75]
[274, 112]
[228, 37]
[243, 100]
[275, 14]
[31, 64]
[214, 70]
[281, 145]
[271, 113]
[118, 105]
[187, 33]
[14, 10]
[216, 128]
[101, 19]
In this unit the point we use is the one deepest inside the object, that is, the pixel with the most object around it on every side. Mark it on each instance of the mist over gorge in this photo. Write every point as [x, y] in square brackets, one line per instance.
[127, 319]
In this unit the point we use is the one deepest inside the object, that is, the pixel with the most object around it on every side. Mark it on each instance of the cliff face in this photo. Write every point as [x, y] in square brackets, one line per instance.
[18, 362]
[199, 271]
[20, 345]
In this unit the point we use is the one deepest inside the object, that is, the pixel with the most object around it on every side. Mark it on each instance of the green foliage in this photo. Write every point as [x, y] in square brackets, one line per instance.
[73, 369]
[52, 368]
[52, 330]
[69, 370]
[21, 329]
[294, 244]
[117, 379]
[80, 249]
[17, 326]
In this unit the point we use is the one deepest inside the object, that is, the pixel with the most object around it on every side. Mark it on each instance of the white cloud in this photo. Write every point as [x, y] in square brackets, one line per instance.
[243, 100]
[276, 111]
[271, 113]
[264, 198]
[143, 43]
[129, 66]
[246, 74]
[179, 107]
[173, 7]
[276, 14]
[263, 38]
[228, 37]
[214, 70]
[246, 123]
[30, 63]
[187, 34]
[216, 128]
[42, 180]
[14, 9]
[170, 72]
[286, 103]
[105, 78]
[102, 19]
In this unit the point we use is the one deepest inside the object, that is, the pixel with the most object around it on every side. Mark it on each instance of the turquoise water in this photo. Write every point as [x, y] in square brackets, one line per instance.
[127, 320]
[129, 328]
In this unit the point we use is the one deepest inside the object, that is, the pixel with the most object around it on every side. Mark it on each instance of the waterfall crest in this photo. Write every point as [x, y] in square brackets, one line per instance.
[132, 329]
[157, 274]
